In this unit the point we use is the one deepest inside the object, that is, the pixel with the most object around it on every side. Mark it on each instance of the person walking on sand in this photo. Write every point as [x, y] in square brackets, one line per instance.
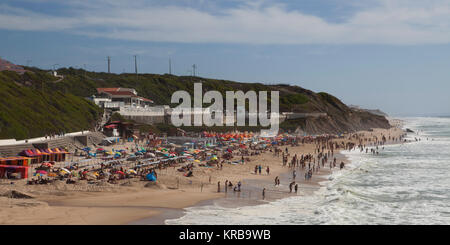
[256, 169]
[226, 185]
[294, 174]
[259, 169]
[239, 186]
[264, 193]
[276, 181]
[296, 188]
[218, 186]
[268, 170]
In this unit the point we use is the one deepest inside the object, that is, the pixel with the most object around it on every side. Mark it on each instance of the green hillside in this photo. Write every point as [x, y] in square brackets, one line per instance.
[159, 88]
[35, 103]
[28, 108]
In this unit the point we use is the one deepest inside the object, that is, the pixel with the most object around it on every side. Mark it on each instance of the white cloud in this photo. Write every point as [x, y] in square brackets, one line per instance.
[390, 22]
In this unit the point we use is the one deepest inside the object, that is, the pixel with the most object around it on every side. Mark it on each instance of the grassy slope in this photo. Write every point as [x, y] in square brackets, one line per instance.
[159, 88]
[292, 98]
[62, 107]
[30, 111]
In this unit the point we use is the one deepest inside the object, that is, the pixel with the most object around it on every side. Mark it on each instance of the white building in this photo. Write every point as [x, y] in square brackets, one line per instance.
[115, 98]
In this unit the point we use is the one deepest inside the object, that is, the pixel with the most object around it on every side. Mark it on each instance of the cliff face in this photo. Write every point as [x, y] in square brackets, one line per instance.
[340, 124]
[340, 117]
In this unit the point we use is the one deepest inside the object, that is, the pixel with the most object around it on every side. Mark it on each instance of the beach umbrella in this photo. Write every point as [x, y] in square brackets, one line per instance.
[41, 172]
[120, 172]
[91, 174]
[132, 171]
[65, 170]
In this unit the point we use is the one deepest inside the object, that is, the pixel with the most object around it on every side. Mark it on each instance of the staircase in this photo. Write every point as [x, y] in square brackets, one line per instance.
[61, 142]
[14, 150]
[105, 118]
[94, 138]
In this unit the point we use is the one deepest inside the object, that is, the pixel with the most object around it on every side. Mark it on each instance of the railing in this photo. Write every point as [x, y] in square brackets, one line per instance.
[113, 104]
[40, 139]
[141, 111]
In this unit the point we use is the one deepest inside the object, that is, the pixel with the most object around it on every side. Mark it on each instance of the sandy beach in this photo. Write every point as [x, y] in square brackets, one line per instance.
[136, 202]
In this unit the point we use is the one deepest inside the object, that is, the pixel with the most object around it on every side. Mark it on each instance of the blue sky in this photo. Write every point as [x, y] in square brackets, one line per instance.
[387, 54]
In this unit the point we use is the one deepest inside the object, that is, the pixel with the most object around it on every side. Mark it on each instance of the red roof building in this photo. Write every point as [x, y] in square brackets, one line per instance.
[117, 97]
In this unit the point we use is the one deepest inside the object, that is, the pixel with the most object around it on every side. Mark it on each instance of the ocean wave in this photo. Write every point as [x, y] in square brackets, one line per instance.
[404, 184]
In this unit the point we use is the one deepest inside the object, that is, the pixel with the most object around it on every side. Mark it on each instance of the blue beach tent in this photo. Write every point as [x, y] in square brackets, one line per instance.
[151, 177]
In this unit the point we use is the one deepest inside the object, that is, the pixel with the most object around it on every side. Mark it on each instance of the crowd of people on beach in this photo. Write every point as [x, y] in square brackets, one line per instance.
[324, 153]
[128, 164]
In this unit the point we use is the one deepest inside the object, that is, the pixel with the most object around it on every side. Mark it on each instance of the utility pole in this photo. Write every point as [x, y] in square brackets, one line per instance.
[135, 64]
[193, 68]
[109, 64]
